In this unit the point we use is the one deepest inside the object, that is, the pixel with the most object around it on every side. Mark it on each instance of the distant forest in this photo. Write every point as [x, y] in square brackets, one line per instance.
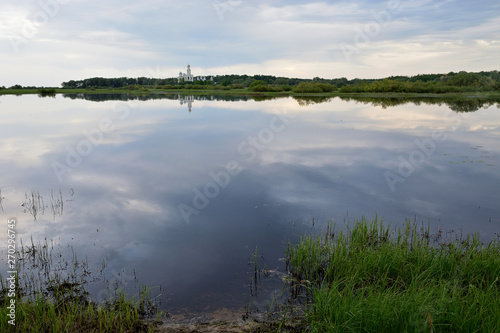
[422, 83]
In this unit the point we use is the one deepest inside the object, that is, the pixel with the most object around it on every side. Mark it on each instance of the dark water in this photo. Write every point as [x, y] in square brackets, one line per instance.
[181, 193]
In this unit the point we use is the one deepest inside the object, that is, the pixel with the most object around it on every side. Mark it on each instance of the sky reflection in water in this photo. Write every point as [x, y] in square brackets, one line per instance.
[294, 163]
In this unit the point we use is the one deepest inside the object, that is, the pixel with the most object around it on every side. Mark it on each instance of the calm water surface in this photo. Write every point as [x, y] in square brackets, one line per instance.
[180, 193]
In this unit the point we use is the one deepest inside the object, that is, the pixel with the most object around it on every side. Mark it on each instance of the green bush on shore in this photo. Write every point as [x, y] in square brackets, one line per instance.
[261, 86]
[462, 82]
[314, 87]
[46, 91]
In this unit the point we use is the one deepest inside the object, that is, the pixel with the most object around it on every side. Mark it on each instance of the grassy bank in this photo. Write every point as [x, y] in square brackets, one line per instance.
[248, 92]
[48, 293]
[372, 278]
[73, 314]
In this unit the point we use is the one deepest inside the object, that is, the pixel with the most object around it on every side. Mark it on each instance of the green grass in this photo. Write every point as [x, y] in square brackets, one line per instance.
[247, 91]
[72, 314]
[50, 296]
[371, 278]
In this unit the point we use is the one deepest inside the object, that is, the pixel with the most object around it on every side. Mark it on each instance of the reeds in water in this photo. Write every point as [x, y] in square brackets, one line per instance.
[51, 296]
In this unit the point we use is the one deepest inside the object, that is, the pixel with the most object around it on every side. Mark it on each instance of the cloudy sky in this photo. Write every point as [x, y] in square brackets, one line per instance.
[47, 42]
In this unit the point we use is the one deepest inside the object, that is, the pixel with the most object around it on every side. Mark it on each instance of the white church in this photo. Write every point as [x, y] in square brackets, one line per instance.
[188, 77]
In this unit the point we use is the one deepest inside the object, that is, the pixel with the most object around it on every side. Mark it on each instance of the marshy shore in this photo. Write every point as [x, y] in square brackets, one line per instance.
[365, 276]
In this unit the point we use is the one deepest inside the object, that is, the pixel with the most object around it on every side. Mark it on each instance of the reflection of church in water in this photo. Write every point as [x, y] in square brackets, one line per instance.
[183, 99]
[189, 99]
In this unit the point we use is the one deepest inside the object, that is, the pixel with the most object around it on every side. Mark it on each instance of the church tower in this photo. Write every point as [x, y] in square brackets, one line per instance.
[186, 77]
[189, 76]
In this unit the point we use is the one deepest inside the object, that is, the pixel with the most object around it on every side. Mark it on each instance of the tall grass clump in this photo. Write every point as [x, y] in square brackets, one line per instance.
[73, 314]
[371, 278]
[51, 296]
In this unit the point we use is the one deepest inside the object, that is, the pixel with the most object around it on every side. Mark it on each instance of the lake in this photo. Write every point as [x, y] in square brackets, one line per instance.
[182, 191]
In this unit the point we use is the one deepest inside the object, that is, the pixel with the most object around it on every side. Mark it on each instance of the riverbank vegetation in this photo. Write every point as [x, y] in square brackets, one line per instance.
[47, 293]
[370, 278]
[362, 277]
[456, 83]
[69, 313]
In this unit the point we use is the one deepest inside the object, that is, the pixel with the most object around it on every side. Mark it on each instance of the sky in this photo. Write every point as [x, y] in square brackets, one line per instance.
[47, 42]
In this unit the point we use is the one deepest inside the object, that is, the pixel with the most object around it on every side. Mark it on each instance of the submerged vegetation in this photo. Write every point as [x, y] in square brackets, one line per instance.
[371, 278]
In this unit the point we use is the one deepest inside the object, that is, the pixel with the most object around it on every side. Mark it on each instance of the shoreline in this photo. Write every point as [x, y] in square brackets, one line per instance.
[409, 278]
[246, 92]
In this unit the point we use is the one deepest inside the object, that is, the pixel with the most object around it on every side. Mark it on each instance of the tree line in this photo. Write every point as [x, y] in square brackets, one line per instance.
[430, 83]
[422, 83]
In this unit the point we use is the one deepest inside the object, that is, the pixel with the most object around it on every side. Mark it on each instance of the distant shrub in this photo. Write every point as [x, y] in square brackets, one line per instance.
[263, 88]
[46, 91]
[257, 83]
[237, 86]
[137, 87]
[314, 87]
[393, 86]
[307, 87]
[326, 87]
